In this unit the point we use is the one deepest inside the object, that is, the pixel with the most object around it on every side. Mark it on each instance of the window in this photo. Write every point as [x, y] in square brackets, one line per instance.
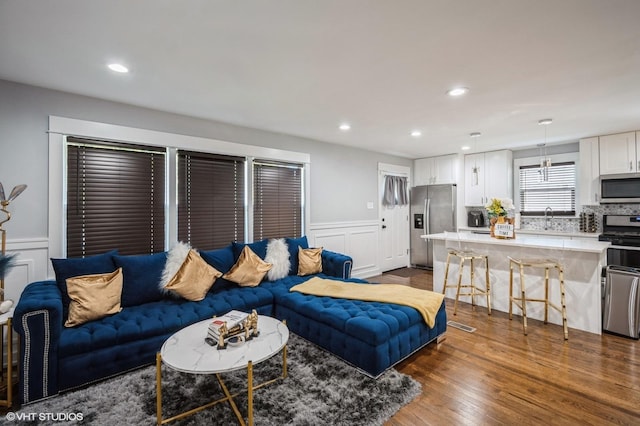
[558, 192]
[277, 200]
[115, 198]
[211, 192]
[65, 171]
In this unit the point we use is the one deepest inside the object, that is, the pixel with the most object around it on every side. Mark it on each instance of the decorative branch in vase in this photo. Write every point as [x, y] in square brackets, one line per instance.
[6, 263]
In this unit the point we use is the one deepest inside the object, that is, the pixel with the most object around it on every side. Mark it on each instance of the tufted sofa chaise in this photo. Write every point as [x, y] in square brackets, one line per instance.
[371, 336]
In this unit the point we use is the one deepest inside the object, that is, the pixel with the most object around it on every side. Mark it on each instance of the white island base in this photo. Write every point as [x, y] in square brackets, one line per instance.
[583, 261]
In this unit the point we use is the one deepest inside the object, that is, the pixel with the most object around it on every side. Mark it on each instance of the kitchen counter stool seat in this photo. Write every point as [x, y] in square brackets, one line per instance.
[471, 287]
[521, 300]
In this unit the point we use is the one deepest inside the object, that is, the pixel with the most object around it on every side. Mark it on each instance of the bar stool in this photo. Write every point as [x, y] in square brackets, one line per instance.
[473, 289]
[521, 301]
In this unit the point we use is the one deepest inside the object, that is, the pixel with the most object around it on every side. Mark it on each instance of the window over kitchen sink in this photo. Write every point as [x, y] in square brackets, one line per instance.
[535, 194]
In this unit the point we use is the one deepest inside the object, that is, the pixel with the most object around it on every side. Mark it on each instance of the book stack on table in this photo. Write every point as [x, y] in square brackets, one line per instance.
[231, 319]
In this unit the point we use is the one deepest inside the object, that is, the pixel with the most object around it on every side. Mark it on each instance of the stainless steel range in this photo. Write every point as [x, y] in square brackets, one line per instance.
[623, 232]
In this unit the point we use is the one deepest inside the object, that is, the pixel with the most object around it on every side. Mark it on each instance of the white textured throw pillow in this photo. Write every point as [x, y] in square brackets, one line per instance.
[175, 259]
[278, 256]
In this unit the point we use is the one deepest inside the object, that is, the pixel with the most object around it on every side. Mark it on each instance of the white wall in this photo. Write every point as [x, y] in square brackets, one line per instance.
[343, 179]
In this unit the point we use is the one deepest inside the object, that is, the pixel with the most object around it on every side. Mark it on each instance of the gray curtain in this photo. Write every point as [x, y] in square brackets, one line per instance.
[395, 191]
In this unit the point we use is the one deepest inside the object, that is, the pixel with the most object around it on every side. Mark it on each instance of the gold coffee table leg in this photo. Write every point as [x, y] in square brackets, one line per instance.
[284, 357]
[229, 398]
[159, 388]
[284, 362]
[250, 392]
[9, 363]
[8, 380]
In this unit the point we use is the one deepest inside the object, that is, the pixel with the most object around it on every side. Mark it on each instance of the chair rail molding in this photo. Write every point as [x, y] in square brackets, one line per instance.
[358, 239]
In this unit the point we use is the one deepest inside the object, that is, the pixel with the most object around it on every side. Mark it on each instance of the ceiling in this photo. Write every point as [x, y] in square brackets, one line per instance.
[302, 67]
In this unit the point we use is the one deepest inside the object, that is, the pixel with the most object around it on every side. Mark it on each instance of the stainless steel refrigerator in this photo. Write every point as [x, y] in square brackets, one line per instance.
[433, 210]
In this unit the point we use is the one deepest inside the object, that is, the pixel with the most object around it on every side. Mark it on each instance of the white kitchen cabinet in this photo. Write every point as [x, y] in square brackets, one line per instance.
[422, 171]
[433, 170]
[619, 153]
[589, 173]
[494, 177]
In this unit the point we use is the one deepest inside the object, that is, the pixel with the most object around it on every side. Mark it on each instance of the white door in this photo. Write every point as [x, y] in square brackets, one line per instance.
[393, 247]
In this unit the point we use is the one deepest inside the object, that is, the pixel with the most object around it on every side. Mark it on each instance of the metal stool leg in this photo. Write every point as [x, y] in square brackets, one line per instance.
[446, 274]
[523, 300]
[472, 283]
[455, 304]
[564, 306]
[510, 289]
[487, 283]
[546, 295]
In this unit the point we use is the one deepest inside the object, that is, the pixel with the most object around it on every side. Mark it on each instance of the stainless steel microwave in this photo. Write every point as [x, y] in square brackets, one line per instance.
[620, 189]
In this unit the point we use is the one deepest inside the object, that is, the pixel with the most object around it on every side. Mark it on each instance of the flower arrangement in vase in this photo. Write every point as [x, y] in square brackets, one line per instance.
[498, 211]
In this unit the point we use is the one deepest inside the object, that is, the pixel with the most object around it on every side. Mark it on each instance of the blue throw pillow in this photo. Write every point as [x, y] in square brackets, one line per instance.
[142, 275]
[221, 259]
[259, 248]
[76, 266]
[293, 244]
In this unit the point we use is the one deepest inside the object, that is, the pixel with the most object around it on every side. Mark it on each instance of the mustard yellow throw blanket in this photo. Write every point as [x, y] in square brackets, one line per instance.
[424, 301]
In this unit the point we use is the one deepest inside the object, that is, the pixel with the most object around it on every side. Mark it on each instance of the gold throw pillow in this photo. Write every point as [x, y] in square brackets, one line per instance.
[310, 261]
[248, 270]
[194, 278]
[93, 297]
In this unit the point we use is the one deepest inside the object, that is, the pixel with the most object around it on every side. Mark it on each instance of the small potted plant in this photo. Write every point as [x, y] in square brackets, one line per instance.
[498, 211]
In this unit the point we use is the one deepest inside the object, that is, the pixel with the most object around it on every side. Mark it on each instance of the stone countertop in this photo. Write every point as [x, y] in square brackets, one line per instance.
[540, 232]
[537, 241]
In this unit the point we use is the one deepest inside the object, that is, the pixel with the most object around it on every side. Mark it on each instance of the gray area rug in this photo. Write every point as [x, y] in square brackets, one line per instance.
[319, 389]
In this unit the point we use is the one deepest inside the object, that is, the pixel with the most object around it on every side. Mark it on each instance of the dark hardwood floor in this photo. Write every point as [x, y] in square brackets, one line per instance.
[496, 375]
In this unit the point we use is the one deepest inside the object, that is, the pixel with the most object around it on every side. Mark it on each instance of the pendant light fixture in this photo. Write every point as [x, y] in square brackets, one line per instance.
[475, 170]
[545, 162]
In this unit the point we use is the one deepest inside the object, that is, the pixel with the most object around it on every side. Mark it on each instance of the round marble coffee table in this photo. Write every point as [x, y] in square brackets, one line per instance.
[187, 352]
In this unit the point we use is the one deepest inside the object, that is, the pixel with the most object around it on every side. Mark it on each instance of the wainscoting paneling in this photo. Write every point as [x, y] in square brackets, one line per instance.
[31, 264]
[356, 239]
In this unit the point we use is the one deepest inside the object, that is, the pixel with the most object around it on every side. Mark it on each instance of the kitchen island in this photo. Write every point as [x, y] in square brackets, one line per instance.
[583, 260]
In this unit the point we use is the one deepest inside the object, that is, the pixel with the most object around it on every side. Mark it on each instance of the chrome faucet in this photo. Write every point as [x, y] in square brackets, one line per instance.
[546, 219]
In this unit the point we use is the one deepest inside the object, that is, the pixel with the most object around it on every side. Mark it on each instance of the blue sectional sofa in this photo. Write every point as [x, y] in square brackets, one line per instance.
[371, 336]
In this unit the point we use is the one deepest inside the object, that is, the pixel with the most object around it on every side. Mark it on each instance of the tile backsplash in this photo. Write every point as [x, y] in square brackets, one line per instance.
[559, 224]
[572, 224]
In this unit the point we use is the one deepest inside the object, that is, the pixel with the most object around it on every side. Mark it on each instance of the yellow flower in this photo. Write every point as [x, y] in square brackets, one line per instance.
[499, 206]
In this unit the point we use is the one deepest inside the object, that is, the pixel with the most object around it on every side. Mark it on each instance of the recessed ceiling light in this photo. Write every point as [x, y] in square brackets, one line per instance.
[475, 134]
[545, 121]
[416, 133]
[457, 91]
[118, 68]
[465, 148]
[345, 126]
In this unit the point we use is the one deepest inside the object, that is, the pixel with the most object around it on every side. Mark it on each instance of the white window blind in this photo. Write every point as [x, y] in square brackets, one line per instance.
[558, 192]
